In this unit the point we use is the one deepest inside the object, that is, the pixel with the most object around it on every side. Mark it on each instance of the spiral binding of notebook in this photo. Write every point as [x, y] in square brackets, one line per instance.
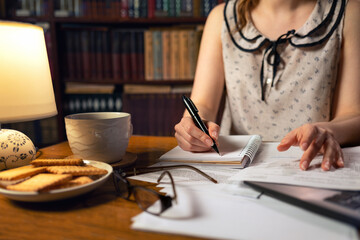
[248, 153]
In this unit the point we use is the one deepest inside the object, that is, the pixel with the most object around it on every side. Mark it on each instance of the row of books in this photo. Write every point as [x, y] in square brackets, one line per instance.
[117, 8]
[134, 8]
[98, 53]
[135, 55]
[154, 113]
[171, 54]
[26, 8]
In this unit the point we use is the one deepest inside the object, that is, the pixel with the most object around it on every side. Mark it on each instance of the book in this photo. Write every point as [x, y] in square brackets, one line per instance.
[166, 56]
[143, 89]
[157, 54]
[175, 54]
[148, 55]
[81, 88]
[237, 150]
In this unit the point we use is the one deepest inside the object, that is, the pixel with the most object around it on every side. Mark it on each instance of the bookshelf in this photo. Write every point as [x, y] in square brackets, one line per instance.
[122, 55]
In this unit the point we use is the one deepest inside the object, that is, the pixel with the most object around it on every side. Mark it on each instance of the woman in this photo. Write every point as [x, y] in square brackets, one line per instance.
[291, 72]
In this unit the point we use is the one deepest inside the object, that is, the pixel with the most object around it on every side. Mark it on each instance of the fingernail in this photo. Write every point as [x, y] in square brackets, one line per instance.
[327, 165]
[209, 142]
[215, 134]
[304, 165]
[340, 162]
[304, 146]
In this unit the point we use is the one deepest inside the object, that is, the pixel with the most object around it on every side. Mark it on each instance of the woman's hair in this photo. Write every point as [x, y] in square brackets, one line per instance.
[243, 11]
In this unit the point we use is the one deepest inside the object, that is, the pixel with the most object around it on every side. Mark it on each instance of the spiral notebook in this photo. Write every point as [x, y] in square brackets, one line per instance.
[234, 149]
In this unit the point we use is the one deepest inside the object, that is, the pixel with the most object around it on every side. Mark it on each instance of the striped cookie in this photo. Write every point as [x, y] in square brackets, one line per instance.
[40, 182]
[20, 172]
[58, 162]
[76, 170]
[76, 182]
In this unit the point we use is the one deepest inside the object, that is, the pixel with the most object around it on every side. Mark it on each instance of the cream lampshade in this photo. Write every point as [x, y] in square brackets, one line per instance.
[26, 91]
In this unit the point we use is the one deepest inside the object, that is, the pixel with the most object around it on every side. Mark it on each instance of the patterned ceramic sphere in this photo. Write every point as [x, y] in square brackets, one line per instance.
[16, 149]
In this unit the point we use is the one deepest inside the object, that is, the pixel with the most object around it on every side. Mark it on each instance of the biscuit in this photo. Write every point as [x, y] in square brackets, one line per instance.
[40, 182]
[20, 172]
[58, 162]
[76, 170]
[76, 182]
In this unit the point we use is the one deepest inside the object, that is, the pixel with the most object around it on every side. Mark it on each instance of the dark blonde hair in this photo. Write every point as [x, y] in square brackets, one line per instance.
[243, 11]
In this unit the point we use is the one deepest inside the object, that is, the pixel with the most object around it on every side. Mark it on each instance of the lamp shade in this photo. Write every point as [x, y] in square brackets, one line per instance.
[26, 90]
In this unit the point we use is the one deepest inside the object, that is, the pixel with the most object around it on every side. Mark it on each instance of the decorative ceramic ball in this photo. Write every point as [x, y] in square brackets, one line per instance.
[16, 149]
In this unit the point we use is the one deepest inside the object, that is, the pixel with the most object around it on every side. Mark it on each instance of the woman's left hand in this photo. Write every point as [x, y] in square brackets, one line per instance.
[314, 139]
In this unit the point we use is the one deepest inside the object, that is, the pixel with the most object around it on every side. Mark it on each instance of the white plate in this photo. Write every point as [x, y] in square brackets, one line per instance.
[59, 194]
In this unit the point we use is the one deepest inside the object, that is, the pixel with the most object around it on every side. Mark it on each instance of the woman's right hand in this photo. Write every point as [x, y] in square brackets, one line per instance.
[191, 138]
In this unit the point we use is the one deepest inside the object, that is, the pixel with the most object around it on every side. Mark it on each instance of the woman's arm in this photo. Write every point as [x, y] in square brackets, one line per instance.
[344, 128]
[208, 87]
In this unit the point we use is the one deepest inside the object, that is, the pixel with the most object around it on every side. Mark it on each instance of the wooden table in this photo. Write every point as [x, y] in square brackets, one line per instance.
[96, 215]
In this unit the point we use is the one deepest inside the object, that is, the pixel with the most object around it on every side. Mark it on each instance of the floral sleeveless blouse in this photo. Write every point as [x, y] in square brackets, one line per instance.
[276, 86]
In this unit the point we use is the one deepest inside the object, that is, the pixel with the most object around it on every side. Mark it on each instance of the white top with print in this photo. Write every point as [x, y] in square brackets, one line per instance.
[305, 64]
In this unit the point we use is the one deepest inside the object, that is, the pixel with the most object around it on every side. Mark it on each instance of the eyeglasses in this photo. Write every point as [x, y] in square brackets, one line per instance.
[147, 199]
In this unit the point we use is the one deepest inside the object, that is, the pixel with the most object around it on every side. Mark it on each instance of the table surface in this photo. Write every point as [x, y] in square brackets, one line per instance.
[96, 215]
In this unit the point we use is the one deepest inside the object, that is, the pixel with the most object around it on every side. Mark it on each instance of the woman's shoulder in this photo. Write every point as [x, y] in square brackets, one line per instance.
[217, 12]
[352, 16]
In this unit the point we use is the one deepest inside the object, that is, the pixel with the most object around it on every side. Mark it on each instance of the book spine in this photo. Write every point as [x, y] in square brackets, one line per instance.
[131, 8]
[133, 56]
[172, 8]
[175, 54]
[93, 55]
[151, 8]
[106, 55]
[116, 59]
[125, 55]
[70, 54]
[85, 49]
[124, 8]
[183, 54]
[157, 55]
[192, 54]
[148, 52]
[99, 55]
[140, 55]
[166, 56]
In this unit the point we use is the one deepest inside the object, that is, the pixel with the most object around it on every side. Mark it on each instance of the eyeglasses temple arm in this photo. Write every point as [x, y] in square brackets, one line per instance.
[155, 169]
[172, 182]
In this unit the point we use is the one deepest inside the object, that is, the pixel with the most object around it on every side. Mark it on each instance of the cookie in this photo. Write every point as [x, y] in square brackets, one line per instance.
[40, 182]
[21, 172]
[76, 170]
[76, 182]
[58, 162]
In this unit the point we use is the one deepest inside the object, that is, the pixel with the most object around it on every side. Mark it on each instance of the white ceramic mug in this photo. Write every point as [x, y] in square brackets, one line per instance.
[100, 136]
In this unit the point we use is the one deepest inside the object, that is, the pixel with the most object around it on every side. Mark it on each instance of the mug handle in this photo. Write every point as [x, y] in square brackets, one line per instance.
[130, 132]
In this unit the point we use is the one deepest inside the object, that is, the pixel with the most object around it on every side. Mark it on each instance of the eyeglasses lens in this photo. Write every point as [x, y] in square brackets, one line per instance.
[148, 200]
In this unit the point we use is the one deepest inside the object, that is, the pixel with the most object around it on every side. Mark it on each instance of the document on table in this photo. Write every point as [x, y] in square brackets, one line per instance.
[233, 149]
[270, 165]
[207, 211]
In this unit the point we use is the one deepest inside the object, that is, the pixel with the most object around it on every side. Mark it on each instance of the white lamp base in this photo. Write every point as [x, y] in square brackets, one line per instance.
[16, 149]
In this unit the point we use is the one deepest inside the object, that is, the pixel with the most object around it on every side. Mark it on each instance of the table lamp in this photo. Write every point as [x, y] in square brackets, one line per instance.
[26, 91]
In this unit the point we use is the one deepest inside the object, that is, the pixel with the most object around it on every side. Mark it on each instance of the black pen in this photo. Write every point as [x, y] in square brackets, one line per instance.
[190, 106]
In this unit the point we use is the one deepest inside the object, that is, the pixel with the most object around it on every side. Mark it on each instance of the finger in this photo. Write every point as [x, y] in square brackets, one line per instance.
[192, 134]
[307, 136]
[340, 161]
[288, 141]
[312, 151]
[330, 154]
[187, 146]
[214, 130]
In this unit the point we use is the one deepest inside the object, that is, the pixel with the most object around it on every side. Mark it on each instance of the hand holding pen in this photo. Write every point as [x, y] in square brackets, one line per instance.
[193, 111]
